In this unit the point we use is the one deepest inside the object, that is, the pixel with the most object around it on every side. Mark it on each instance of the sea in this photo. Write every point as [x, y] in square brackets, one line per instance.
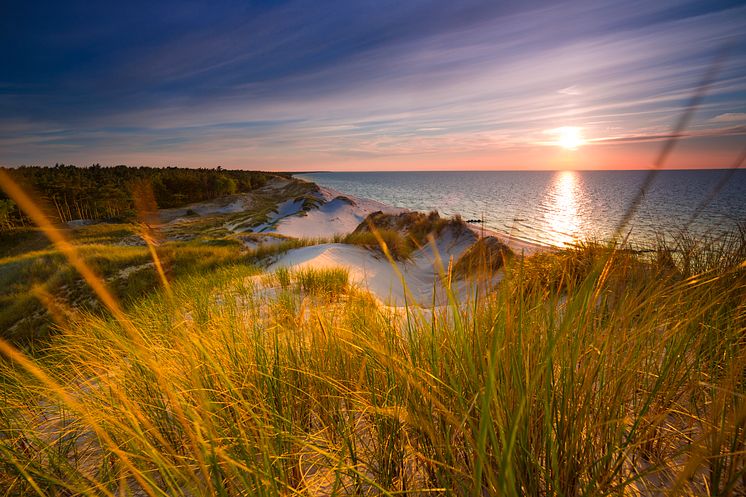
[560, 208]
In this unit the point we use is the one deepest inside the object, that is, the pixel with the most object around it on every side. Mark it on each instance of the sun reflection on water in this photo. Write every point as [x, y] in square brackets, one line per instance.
[561, 203]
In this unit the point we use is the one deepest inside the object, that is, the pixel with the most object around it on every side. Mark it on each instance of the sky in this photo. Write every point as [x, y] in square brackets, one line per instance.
[379, 85]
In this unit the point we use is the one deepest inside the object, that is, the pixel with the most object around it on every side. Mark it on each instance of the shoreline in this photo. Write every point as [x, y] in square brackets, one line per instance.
[516, 244]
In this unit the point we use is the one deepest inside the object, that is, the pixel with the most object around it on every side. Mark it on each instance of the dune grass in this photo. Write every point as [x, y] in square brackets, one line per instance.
[326, 282]
[398, 245]
[589, 371]
[402, 234]
[265, 251]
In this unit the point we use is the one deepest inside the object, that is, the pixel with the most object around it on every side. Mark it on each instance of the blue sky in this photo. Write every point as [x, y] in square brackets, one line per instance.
[368, 85]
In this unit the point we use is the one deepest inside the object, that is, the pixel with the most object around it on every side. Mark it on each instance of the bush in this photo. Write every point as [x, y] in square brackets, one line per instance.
[485, 257]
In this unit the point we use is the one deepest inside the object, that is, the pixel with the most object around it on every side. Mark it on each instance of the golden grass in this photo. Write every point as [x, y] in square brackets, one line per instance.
[621, 379]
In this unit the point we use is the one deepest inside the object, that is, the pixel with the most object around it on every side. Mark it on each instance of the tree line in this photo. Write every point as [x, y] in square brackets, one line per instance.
[70, 192]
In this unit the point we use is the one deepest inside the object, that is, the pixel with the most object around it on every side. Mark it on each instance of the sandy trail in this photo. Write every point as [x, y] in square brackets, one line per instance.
[225, 205]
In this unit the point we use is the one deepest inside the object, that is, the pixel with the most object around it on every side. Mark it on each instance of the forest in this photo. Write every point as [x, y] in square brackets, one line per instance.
[106, 193]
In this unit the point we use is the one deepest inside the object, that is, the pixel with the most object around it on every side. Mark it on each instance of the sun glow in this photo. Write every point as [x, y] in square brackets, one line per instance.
[569, 137]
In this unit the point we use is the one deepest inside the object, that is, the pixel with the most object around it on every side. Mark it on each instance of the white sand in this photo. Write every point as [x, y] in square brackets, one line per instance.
[366, 269]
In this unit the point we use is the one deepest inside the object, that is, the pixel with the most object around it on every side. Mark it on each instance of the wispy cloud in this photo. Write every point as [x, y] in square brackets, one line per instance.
[703, 133]
[729, 117]
[570, 90]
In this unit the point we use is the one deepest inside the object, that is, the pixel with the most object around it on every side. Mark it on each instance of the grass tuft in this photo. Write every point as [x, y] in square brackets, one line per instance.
[329, 282]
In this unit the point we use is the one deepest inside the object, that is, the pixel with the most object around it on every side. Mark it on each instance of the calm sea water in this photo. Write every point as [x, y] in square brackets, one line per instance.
[560, 207]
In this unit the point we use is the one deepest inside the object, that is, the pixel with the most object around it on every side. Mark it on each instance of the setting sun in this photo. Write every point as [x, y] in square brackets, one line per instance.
[570, 137]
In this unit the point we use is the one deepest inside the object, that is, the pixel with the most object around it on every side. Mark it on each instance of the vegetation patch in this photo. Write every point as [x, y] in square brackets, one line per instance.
[485, 257]
[403, 233]
[24, 318]
[114, 193]
[397, 244]
[345, 199]
[329, 282]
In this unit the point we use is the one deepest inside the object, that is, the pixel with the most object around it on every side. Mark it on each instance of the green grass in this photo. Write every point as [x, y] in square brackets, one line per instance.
[113, 250]
[20, 241]
[266, 251]
[589, 371]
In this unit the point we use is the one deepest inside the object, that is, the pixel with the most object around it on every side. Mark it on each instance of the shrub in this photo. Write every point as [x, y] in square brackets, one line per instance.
[405, 232]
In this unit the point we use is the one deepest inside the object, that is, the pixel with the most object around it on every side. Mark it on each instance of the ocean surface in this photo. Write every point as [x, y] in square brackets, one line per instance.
[561, 207]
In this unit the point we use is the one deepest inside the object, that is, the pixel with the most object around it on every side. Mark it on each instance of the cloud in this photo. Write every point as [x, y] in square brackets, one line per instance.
[729, 117]
[570, 90]
[703, 133]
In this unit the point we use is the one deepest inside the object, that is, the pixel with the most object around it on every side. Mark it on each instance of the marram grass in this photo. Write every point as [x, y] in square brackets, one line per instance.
[587, 372]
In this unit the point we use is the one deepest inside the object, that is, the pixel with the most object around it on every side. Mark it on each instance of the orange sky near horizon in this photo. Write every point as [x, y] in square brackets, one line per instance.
[539, 157]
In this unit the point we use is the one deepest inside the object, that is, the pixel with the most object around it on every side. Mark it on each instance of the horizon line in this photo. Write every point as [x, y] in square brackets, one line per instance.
[327, 171]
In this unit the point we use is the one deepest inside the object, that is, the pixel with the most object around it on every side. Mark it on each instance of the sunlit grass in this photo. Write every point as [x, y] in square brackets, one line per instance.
[128, 271]
[588, 372]
[327, 282]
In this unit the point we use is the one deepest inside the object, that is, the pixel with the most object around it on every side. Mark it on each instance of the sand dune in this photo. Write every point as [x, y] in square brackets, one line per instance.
[338, 215]
[394, 284]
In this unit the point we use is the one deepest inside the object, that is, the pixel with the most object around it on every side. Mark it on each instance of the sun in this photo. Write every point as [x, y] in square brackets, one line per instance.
[570, 137]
